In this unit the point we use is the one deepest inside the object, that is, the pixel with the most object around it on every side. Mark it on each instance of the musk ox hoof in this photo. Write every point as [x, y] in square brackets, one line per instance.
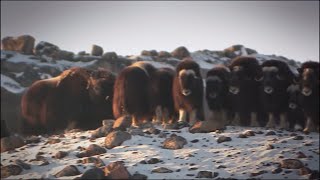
[182, 124]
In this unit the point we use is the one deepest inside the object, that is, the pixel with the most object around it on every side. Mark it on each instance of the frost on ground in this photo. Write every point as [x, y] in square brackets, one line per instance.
[254, 154]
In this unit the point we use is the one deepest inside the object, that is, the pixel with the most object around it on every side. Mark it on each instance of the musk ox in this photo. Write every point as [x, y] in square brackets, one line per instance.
[188, 90]
[4, 129]
[53, 104]
[295, 113]
[133, 93]
[163, 104]
[243, 90]
[276, 78]
[309, 85]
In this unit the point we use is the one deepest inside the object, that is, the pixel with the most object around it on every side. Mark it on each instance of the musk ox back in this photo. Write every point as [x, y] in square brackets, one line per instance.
[309, 85]
[243, 90]
[163, 104]
[132, 93]
[188, 90]
[275, 79]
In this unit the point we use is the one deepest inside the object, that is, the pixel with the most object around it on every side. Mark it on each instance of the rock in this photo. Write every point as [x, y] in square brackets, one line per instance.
[116, 138]
[314, 175]
[174, 142]
[304, 171]
[66, 55]
[223, 139]
[22, 164]
[194, 141]
[153, 161]
[242, 136]
[136, 132]
[270, 133]
[161, 170]
[162, 135]
[205, 174]
[32, 139]
[298, 138]
[276, 171]
[82, 53]
[221, 166]
[205, 127]
[257, 173]
[109, 56]
[164, 54]
[149, 53]
[104, 130]
[97, 161]
[60, 154]
[94, 173]
[139, 176]
[96, 50]
[23, 44]
[152, 130]
[270, 146]
[291, 164]
[180, 53]
[301, 155]
[92, 150]
[249, 133]
[10, 170]
[116, 170]
[11, 142]
[47, 49]
[70, 170]
[53, 141]
[122, 123]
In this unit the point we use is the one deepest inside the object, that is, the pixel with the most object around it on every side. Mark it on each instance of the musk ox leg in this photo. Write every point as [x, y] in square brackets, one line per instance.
[134, 122]
[182, 115]
[158, 115]
[254, 119]
[236, 119]
[284, 124]
[297, 127]
[309, 125]
[271, 121]
[165, 116]
[193, 117]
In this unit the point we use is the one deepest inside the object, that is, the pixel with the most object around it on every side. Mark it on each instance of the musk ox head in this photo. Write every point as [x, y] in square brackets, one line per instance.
[101, 85]
[75, 79]
[188, 74]
[276, 75]
[243, 69]
[293, 92]
[217, 82]
[309, 77]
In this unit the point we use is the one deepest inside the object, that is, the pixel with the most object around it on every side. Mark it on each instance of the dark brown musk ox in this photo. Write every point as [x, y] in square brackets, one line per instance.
[162, 82]
[188, 91]
[244, 91]
[309, 85]
[295, 112]
[4, 129]
[133, 93]
[276, 78]
[70, 99]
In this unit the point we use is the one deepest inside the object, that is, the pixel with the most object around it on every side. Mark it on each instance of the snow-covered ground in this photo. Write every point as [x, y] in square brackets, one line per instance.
[237, 158]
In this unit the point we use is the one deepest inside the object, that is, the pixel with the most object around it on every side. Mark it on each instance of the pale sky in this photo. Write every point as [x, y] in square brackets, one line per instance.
[287, 28]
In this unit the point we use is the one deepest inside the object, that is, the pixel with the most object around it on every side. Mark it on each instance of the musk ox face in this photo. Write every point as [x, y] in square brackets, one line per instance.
[101, 85]
[271, 78]
[214, 87]
[187, 81]
[309, 80]
[238, 76]
[293, 91]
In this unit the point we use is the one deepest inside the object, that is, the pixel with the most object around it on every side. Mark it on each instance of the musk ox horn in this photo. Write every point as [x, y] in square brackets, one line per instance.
[258, 78]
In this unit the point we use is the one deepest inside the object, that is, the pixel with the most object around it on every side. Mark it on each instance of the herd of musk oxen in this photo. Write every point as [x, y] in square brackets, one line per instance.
[245, 93]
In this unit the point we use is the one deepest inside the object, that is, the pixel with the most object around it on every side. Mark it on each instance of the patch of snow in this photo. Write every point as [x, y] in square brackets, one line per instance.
[19, 74]
[45, 76]
[160, 64]
[11, 85]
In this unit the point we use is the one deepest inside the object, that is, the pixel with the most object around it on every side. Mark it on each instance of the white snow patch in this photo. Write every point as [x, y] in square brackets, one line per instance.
[11, 85]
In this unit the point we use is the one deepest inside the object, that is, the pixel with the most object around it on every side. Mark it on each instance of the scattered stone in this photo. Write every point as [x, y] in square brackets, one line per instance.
[293, 134]
[193, 168]
[276, 171]
[221, 166]
[162, 135]
[291, 164]
[180, 52]
[298, 138]
[32, 139]
[242, 136]
[70, 170]
[259, 132]
[139, 176]
[222, 139]
[94, 173]
[270, 146]
[116, 138]
[96, 50]
[97, 161]
[11, 142]
[174, 142]
[152, 130]
[136, 132]
[23, 44]
[301, 155]
[249, 133]
[143, 162]
[122, 123]
[304, 171]
[104, 130]
[257, 173]
[161, 170]
[92, 150]
[44, 163]
[195, 141]
[270, 133]
[10, 170]
[153, 161]
[60, 154]
[314, 175]
[116, 170]
[22, 164]
[189, 174]
[53, 141]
